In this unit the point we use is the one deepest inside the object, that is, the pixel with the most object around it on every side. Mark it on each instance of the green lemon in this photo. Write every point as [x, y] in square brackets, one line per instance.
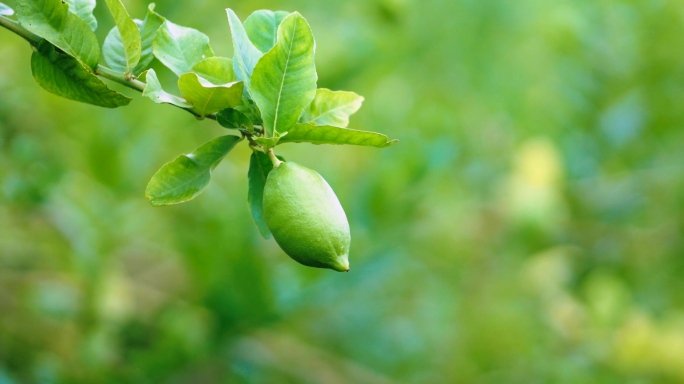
[306, 218]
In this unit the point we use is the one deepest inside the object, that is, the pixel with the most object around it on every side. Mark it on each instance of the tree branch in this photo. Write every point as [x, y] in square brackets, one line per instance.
[112, 75]
[101, 71]
[15, 27]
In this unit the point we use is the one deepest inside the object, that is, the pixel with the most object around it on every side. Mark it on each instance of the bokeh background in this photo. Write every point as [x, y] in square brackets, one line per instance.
[526, 229]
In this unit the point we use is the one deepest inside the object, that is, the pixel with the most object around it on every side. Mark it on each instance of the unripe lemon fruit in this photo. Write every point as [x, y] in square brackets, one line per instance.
[306, 218]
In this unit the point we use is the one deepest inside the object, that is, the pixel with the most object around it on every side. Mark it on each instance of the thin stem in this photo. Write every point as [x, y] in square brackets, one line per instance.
[253, 144]
[275, 160]
[112, 75]
[138, 85]
[19, 30]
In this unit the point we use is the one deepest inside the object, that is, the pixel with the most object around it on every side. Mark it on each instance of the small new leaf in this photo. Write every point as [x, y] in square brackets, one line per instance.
[180, 48]
[262, 28]
[154, 91]
[51, 20]
[326, 134]
[129, 34]
[188, 175]
[84, 10]
[331, 108]
[284, 79]
[206, 97]
[269, 142]
[65, 76]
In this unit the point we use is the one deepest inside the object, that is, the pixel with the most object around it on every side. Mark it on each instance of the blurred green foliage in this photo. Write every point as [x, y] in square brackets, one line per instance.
[526, 229]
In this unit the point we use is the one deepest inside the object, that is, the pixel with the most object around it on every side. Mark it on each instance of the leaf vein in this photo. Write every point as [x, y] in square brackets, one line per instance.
[282, 83]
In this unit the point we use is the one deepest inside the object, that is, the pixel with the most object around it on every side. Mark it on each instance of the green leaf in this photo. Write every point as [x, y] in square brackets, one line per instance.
[247, 108]
[148, 31]
[218, 70]
[331, 108]
[207, 98]
[188, 175]
[245, 54]
[51, 20]
[65, 76]
[113, 51]
[5, 10]
[84, 10]
[259, 167]
[269, 142]
[312, 133]
[262, 28]
[179, 48]
[233, 119]
[284, 79]
[129, 33]
[154, 91]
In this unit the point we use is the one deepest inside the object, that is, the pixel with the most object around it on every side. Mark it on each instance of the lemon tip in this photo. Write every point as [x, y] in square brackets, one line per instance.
[342, 266]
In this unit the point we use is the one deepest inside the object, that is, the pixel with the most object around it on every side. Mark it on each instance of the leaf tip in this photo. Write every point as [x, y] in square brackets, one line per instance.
[390, 143]
[265, 234]
[151, 199]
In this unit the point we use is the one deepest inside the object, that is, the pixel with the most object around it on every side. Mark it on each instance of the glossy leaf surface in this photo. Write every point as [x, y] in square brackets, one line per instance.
[113, 48]
[188, 175]
[84, 10]
[65, 76]
[51, 20]
[153, 21]
[180, 48]
[284, 79]
[129, 34]
[311, 133]
[245, 55]
[206, 97]
[331, 108]
[5, 10]
[217, 70]
[262, 28]
[114, 52]
[154, 91]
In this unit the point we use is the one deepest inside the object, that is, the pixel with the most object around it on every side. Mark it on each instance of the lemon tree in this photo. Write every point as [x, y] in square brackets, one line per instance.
[266, 95]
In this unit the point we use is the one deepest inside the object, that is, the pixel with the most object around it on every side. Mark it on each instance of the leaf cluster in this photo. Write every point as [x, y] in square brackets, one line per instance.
[266, 93]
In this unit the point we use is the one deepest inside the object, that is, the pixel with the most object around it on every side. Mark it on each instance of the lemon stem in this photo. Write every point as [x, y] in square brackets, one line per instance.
[276, 162]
